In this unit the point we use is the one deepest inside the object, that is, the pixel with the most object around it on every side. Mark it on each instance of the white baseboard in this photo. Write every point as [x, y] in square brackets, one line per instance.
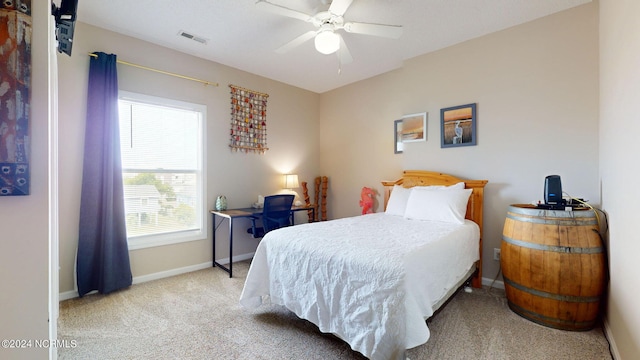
[497, 284]
[172, 272]
[164, 274]
[609, 336]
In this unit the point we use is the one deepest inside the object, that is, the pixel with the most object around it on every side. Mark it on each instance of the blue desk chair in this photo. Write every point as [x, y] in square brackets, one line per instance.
[276, 213]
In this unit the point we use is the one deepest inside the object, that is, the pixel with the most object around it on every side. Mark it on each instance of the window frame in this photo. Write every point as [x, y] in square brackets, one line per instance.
[153, 240]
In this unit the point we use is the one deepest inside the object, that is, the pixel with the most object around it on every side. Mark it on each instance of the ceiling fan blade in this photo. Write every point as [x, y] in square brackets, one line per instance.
[388, 31]
[344, 56]
[285, 11]
[296, 42]
[339, 7]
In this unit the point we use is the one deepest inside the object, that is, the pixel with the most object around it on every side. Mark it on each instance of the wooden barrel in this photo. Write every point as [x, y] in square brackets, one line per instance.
[554, 266]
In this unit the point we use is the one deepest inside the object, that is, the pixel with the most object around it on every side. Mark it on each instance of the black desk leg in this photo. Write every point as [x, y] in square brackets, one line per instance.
[215, 263]
[230, 246]
[214, 240]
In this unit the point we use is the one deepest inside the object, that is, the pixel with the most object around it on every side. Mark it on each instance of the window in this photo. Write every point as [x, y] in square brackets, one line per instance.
[162, 147]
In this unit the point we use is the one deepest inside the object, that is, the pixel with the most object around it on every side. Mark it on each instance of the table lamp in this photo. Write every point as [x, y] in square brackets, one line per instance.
[291, 181]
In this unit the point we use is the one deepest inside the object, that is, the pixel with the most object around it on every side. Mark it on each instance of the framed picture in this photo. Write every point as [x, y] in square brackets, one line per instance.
[397, 136]
[414, 127]
[458, 126]
[15, 172]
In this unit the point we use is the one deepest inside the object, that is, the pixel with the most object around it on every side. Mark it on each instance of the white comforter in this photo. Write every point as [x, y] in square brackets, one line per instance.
[371, 280]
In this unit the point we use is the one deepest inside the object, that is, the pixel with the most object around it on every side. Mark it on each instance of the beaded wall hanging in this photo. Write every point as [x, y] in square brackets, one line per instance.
[248, 120]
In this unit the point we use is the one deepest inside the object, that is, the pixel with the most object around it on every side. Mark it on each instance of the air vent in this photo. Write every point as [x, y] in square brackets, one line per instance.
[199, 39]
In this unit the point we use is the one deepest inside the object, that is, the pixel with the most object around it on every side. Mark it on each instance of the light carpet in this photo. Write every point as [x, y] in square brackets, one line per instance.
[197, 316]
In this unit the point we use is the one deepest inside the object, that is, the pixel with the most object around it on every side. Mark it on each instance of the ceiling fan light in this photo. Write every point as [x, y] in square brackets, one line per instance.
[327, 42]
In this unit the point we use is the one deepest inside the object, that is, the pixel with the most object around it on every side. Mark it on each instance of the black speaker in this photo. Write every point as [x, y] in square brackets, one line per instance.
[65, 17]
[553, 190]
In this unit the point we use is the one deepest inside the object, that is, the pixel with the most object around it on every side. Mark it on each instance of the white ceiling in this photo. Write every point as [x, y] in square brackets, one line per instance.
[243, 36]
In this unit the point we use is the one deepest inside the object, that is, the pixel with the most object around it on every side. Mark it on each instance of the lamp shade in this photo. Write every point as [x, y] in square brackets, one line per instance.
[291, 181]
[327, 42]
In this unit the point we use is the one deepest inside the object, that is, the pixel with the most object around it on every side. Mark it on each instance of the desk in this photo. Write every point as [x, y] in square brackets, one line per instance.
[232, 214]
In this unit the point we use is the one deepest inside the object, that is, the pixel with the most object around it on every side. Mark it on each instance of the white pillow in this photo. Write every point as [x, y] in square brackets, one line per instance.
[397, 203]
[448, 205]
[398, 200]
[459, 185]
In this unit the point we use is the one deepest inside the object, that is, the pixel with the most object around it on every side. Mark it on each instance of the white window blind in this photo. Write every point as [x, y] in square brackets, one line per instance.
[162, 169]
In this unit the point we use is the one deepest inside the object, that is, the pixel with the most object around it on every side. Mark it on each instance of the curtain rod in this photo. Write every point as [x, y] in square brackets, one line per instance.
[249, 90]
[161, 71]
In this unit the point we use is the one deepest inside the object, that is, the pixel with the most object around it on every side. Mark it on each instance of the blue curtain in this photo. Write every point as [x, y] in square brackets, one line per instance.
[103, 253]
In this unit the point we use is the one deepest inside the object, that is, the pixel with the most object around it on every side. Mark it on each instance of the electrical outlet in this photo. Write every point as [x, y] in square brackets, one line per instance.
[496, 254]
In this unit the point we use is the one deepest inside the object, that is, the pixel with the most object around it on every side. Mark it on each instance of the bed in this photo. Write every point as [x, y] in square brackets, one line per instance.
[373, 280]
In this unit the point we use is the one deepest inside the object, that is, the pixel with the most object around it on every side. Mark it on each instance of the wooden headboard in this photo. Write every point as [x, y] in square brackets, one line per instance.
[411, 178]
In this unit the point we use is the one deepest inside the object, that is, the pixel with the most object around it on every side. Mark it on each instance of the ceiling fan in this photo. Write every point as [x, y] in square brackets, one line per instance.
[327, 38]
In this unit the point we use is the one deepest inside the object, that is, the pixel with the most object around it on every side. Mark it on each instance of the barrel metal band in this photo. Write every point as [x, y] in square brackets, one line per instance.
[553, 248]
[545, 320]
[570, 298]
[553, 221]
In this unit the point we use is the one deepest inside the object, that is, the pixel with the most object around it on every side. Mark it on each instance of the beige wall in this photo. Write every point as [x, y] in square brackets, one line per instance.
[292, 123]
[536, 89]
[619, 98]
[24, 220]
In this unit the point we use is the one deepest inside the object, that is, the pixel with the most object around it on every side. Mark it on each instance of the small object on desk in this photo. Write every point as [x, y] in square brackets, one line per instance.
[259, 204]
[221, 203]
